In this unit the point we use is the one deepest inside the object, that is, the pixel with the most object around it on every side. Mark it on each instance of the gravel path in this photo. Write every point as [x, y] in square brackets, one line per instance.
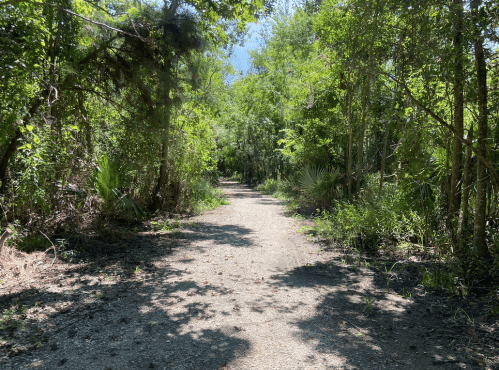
[235, 293]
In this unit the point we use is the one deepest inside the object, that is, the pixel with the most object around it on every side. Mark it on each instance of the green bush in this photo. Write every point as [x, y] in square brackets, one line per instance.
[318, 184]
[236, 176]
[207, 197]
[269, 186]
[32, 243]
[278, 188]
[373, 219]
[109, 179]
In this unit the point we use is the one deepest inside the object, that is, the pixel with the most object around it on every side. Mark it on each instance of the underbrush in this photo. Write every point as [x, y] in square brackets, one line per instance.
[207, 197]
[236, 176]
[96, 217]
[281, 189]
[375, 219]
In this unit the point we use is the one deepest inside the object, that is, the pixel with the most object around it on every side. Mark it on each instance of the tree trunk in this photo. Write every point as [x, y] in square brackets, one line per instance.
[383, 159]
[14, 143]
[446, 180]
[479, 239]
[360, 153]
[457, 146]
[11, 149]
[350, 137]
[86, 123]
[163, 169]
[466, 186]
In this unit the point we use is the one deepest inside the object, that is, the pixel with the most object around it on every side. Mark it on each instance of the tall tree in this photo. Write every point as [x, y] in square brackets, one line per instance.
[479, 234]
[457, 21]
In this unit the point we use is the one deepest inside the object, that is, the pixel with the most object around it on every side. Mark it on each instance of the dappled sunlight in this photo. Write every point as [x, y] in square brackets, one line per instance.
[149, 323]
[367, 320]
[222, 294]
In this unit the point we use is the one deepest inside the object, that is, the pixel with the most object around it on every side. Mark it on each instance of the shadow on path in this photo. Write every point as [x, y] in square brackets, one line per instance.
[368, 326]
[113, 307]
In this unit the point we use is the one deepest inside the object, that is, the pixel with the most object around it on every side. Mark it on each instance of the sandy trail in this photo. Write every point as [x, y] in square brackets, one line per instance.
[235, 291]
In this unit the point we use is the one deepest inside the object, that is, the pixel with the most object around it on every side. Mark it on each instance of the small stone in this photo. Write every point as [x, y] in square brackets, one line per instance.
[54, 347]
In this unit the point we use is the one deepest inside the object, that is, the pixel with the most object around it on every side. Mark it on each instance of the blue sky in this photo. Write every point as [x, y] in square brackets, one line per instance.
[241, 59]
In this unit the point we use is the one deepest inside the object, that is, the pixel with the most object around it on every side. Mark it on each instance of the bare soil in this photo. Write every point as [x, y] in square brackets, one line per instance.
[235, 288]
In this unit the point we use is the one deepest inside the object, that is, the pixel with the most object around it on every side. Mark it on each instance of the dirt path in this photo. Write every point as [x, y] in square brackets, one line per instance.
[239, 289]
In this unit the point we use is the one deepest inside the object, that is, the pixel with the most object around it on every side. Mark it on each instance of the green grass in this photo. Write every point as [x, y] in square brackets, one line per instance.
[207, 197]
[369, 305]
[280, 189]
[166, 226]
[445, 280]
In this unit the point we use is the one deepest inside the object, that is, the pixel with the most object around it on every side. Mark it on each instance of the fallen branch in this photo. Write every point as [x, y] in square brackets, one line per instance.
[52, 247]
[6, 234]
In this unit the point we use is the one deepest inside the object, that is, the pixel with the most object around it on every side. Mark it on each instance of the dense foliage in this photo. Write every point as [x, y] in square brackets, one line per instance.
[383, 115]
[107, 106]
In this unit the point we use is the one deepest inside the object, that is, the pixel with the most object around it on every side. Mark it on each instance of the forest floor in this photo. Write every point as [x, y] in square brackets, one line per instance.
[235, 288]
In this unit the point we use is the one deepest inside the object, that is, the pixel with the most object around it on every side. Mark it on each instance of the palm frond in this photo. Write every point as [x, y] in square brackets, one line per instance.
[128, 204]
[318, 184]
[108, 178]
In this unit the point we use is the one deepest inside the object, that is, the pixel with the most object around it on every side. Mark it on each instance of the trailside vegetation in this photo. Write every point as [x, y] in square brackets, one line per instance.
[108, 109]
[381, 117]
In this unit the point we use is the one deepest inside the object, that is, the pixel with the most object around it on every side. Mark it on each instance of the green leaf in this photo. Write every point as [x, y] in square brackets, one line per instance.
[11, 119]
[29, 128]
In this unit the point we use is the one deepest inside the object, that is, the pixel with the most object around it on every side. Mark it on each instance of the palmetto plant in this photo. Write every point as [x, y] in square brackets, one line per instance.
[108, 178]
[108, 181]
[318, 184]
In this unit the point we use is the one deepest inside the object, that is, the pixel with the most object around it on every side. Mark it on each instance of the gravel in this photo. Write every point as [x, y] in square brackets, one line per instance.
[234, 293]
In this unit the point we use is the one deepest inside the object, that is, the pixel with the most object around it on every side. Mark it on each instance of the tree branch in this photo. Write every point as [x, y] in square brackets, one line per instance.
[100, 24]
[432, 114]
[10, 2]
[103, 97]
[113, 15]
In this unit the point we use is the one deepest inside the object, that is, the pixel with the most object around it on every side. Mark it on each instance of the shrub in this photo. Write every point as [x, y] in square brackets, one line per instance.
[373, 219]
[109, 179]
[207, 197]
[318, 184]
[279, 188]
